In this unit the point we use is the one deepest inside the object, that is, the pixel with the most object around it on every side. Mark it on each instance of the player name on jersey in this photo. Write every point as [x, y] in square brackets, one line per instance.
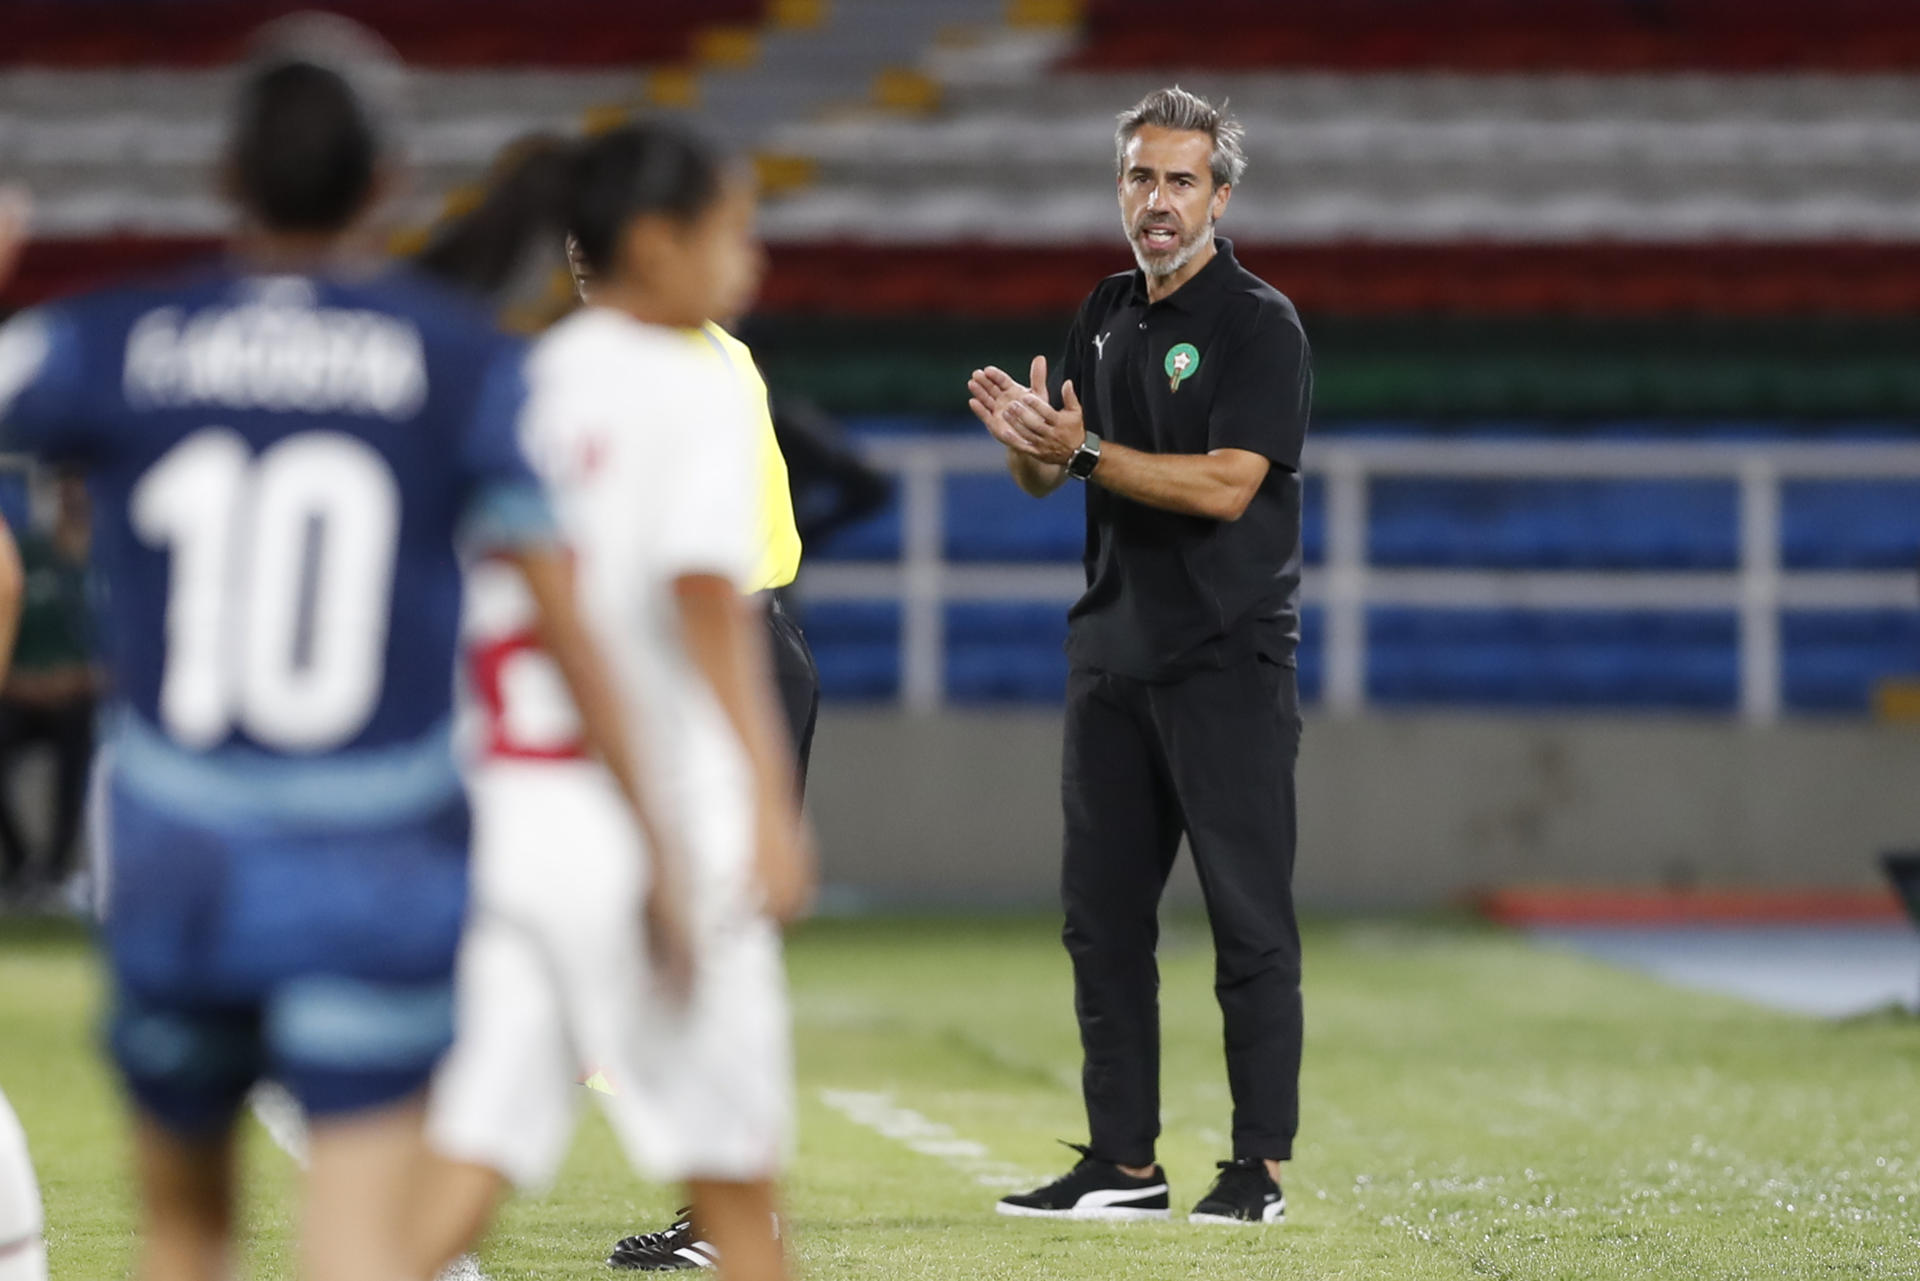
[277, 356]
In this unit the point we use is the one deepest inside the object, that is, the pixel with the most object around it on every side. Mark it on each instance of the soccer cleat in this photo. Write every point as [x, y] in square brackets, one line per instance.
[1244, 1193]
[673, 1249]
[1093, 1189]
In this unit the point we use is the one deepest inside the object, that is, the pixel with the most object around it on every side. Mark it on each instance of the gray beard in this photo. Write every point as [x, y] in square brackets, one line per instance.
[1182, 255]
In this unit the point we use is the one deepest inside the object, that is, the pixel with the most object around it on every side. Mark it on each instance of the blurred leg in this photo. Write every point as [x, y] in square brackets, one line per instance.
[798, 680]
[187, 1204]
[738, 1219]
[13, 849]
[23, 1252]
[72, 738]
[363, 1177]
[456, 1202]
[501, 1106]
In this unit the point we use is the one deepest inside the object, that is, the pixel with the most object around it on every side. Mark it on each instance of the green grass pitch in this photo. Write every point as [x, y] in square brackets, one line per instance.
[1474, 1108]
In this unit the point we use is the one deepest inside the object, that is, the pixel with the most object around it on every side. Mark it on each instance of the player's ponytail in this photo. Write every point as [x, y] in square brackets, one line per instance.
[653, 168]
[520, 218]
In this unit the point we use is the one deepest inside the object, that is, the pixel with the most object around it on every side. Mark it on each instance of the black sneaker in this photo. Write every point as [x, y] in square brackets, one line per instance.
[670, 1250]
[1244, 1193]
[1093, 1189]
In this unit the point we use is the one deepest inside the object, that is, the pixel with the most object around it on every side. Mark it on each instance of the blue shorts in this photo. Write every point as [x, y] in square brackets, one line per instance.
[320, 959]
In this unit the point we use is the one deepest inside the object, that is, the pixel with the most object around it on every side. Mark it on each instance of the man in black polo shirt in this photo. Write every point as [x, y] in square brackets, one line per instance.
[1182, 400]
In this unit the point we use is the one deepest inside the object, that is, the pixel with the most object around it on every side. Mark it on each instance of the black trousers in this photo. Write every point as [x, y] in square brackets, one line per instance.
[799, 681]
[68, 729]
[1211, 755]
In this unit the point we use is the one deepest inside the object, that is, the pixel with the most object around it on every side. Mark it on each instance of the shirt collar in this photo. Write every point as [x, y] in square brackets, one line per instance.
[1209, 280]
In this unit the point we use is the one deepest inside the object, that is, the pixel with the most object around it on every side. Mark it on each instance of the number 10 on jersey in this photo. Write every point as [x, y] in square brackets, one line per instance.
[280, 587]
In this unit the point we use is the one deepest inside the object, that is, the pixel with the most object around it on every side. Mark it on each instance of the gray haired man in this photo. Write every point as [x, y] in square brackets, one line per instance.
[1181, 401]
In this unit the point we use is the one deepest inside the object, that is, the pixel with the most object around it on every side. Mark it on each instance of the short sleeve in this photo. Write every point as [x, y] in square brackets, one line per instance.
[1073, 357]
[506, 506]
[709, 522]
[42, 384]
[1264, 395]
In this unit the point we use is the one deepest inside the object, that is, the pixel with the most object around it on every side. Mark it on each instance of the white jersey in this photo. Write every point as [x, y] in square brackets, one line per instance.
[650, 457]
[649, 451]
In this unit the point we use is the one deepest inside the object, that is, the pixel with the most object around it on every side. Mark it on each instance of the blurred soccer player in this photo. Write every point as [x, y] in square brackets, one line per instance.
[23, 1253]
[678, 1246]
[23, 1250]
[650, 450]
[285, 452]
[777, 529]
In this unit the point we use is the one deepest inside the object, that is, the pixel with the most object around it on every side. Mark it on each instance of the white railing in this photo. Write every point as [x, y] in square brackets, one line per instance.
[1758, 588]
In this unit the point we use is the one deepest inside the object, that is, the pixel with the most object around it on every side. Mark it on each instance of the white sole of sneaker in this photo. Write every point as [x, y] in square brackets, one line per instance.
[1272, 1216]
[1091, 1214]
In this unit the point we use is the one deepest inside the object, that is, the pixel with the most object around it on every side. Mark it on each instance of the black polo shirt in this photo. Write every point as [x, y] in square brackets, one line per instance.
[1221, 363]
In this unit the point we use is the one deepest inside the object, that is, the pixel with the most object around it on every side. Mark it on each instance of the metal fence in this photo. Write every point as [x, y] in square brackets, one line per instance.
[1346, 586]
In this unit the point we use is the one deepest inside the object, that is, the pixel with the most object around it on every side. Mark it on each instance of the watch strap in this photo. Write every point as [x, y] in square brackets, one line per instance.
[1085, 458]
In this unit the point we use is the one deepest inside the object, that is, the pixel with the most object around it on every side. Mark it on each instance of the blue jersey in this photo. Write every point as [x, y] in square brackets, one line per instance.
[280, 467]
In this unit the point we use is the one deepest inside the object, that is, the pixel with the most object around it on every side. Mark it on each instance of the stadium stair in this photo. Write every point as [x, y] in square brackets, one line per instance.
[110, 111]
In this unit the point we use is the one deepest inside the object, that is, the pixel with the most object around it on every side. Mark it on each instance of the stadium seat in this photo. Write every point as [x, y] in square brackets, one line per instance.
[1584, 658]
[1833, 662]
[1595, 525]
[988, 519]
[856, 646]
[1508, 658]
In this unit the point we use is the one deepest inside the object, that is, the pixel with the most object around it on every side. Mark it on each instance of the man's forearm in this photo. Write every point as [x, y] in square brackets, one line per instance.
[1217, 486]
[1034, 476]
[13, 582]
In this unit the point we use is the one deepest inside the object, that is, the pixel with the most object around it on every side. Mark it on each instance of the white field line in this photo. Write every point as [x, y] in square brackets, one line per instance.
[877, 1111]
[280, 1116]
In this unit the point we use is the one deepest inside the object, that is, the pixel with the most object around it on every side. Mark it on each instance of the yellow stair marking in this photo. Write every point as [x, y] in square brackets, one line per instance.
[729, 47]
[1897, 700]
[780, 173]
[604, 117]
[677, 88]
[802, 15]
[1045, 13]
[903, 89]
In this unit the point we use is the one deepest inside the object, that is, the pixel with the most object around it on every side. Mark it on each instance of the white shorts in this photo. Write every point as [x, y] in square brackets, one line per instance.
[23, 1252]
[554, 985]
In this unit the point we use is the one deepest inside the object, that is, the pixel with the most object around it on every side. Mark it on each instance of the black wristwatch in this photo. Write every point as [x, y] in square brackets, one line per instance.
[1085, 458]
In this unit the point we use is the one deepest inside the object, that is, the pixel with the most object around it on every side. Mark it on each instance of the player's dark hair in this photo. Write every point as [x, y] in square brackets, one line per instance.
[657, 167]
[483, 249]
[304, 148]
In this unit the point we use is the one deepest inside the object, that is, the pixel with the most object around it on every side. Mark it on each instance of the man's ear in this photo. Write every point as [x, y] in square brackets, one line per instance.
[1221, 194]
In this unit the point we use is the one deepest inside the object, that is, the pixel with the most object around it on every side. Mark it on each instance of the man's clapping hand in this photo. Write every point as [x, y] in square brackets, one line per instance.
[1024, 418]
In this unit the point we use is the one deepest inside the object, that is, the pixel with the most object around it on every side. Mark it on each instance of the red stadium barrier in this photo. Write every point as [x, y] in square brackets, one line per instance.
[1789, 280]
[1506, 35]
[1658, 907]
[1375, 279]
[54, 268]
[532, 33]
